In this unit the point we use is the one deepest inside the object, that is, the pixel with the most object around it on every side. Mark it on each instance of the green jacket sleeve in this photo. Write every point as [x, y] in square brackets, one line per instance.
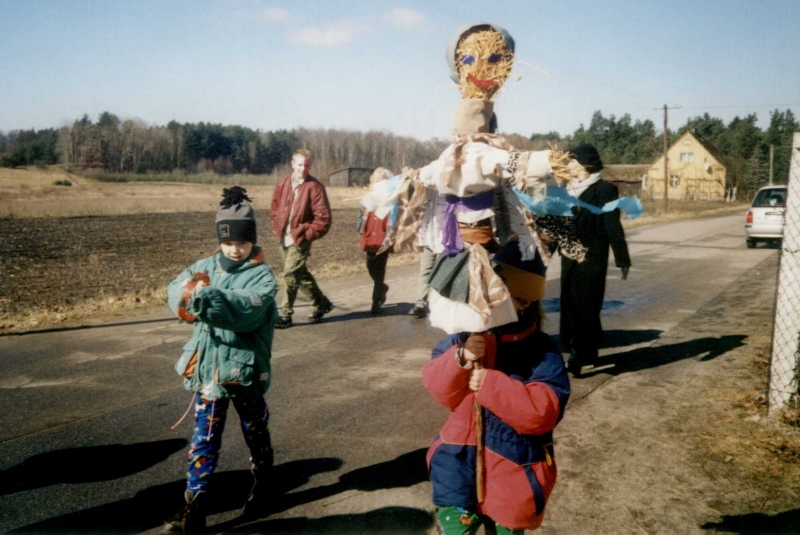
[239, 310]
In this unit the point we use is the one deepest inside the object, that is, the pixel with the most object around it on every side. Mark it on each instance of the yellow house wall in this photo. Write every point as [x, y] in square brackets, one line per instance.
[694, 181]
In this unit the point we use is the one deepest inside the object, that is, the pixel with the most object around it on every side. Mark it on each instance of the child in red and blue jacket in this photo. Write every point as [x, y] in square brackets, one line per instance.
[517, 377]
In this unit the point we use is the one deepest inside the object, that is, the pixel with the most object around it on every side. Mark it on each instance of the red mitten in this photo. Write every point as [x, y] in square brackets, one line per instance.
[186, 296]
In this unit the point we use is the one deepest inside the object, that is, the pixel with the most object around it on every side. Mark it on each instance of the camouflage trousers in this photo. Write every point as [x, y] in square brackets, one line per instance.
[297, 277]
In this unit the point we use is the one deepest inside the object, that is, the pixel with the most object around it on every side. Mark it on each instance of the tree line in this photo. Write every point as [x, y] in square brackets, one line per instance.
[131, 146]
[744, 146]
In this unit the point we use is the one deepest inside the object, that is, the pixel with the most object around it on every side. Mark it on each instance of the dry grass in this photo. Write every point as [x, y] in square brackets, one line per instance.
[78, 313]
[340, 269]
[31, 193]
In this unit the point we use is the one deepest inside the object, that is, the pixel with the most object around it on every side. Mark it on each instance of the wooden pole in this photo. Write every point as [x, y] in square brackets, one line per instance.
[666, 166]
[771, 156]
[480, 466]
[489, 357]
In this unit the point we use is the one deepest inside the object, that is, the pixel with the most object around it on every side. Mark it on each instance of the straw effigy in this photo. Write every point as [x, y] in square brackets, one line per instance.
[559, 165]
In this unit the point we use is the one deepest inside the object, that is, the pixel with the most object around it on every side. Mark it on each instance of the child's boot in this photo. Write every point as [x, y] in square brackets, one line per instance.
[259, 492]
[190, 519]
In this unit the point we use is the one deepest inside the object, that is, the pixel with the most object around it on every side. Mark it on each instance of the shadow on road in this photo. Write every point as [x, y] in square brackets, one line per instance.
[150, 507]
[758, 523]
[394, 309]
[85, 465]
[406, 470]
[651, 357]
[385, 520]
[622, 338]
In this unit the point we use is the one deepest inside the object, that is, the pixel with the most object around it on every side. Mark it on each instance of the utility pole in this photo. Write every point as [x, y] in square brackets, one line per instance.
[666, 163]
[771, 156]
[666, 159]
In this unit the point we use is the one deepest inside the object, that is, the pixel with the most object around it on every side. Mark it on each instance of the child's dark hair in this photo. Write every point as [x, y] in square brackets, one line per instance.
[233, 196]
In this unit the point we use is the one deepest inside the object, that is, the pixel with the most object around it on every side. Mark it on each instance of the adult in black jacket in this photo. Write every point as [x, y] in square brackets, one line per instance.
[583, 284]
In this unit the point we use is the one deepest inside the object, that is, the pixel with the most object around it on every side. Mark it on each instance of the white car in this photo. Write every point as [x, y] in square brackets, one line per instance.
[765, 218]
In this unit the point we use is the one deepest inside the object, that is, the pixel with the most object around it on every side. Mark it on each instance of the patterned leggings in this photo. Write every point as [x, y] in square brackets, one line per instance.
[209, 417]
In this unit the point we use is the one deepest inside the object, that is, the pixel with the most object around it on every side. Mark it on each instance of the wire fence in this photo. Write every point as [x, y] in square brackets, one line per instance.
[785, 359]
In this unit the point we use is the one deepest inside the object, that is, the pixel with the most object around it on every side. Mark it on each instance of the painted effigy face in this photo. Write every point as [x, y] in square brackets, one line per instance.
[484, 62]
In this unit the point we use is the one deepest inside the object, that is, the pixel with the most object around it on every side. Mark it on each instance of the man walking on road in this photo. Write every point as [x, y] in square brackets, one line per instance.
[300, 214]
[583, 285]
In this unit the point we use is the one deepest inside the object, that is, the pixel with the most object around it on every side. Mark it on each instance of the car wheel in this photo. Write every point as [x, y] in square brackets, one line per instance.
[751, 243]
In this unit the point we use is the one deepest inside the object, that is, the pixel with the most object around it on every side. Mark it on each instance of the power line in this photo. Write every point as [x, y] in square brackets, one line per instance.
[737, 106]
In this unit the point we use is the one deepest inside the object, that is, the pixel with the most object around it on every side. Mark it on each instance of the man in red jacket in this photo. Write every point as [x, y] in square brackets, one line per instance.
[300, 214]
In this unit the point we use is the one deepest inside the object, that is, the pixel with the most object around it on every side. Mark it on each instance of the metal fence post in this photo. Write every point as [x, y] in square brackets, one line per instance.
[784, 365]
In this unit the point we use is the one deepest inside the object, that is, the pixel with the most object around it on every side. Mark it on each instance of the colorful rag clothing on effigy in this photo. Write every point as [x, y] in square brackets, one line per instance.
[479, 194]
[493, 461]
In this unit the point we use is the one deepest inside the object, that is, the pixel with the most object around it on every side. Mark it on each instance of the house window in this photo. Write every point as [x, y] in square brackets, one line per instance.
[687, 157]
[674, 181]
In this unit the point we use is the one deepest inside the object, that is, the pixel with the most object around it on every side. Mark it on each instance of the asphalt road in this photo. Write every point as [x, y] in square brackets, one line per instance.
[85, 436]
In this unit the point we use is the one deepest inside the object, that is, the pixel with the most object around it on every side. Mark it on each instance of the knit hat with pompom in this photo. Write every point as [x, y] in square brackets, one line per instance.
[236, 219]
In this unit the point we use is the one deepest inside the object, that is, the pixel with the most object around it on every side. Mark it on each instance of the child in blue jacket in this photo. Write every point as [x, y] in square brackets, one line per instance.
[230, 297]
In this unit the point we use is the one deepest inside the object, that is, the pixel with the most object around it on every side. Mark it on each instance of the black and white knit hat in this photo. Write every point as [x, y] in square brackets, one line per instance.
[236, 219]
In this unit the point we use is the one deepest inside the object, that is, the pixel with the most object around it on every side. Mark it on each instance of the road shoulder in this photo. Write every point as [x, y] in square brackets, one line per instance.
[676, 441]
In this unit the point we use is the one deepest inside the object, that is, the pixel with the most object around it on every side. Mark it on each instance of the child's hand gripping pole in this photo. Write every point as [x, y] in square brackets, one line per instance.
[480, 350]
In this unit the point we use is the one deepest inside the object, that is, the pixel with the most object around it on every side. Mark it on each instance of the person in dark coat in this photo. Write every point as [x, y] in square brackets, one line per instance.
[583, 284]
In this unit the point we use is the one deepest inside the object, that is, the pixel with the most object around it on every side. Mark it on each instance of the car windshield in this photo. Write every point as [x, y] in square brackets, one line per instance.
[770, 197]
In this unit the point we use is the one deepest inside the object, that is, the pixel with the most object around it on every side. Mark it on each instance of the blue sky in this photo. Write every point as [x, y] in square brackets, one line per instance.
[380, 64]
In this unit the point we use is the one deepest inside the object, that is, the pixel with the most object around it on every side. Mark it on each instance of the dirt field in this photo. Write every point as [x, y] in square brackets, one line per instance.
[68, 253]
[57, 270]
[31, 193]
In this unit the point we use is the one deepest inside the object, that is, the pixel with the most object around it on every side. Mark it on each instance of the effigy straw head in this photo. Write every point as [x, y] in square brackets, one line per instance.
[559, 165]
[483, 59]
